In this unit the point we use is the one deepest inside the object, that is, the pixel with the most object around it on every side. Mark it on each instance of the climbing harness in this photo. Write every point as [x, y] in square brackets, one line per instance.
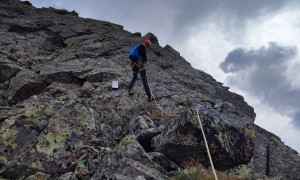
[208, 152]
[139, 67]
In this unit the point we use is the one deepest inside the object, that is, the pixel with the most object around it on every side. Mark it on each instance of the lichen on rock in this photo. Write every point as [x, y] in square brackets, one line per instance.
[61, 119]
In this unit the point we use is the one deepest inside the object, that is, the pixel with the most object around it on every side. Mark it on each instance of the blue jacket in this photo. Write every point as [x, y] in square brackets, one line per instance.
[138, 52]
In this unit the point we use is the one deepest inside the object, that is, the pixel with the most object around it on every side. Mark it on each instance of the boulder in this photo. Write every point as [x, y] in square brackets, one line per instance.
[182, 141]
[25, 85]
[7, 71]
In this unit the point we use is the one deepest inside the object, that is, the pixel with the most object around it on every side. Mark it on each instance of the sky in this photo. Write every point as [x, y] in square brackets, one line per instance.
[250, 46]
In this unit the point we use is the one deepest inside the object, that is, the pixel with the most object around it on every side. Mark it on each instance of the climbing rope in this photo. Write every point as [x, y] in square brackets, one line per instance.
[207, 148]
[159, 107]
[172, 115]
[168, 114]
[208, 152]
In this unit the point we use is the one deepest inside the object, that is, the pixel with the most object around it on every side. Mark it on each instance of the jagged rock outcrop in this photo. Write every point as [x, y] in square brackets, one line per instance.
[60, 118]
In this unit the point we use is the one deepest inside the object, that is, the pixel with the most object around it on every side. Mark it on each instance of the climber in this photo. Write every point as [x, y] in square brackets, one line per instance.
[138, 58]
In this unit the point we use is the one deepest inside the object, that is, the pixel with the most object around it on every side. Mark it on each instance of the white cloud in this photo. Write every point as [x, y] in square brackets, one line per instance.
[272, 121]
[205, 48]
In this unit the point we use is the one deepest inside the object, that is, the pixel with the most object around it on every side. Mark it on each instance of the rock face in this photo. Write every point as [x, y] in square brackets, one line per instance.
[229, 145]
[60, 118]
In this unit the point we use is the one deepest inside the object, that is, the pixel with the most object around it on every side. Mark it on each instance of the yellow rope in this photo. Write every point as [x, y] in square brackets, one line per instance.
[172, 115]
[168, 114]
[208, 152]
[207, 148]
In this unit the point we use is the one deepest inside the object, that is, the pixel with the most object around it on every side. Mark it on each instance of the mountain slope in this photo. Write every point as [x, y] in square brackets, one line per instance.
[60, 117]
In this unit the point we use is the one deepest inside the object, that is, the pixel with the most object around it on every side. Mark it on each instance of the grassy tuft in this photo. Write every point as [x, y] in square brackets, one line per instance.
[194, 171]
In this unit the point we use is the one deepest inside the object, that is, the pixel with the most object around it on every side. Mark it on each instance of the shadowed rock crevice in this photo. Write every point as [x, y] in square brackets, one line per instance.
[145, 138]
[25, 29]
[53, 43]
[65, 77]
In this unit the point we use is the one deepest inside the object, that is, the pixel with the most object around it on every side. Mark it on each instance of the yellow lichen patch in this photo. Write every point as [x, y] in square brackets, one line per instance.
[54, 139]
[144, 124]
[125, 141]
[195, 120]
[171, 128]
[8, 137]
[37, 164]
[78, 145]
[278, 143]
[49, 110]
[250, 133]
[86, 118]
[33, 112]
[3, 159]
[128, 140]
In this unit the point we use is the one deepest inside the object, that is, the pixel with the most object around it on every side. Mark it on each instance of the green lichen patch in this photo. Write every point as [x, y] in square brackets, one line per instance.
[128, 140]
[54, 139]
[3, 160]
[49, 110]
[144, 123]
[125, 142]
[250, 133]
[37, 164]
[78, 145]
[194, 120]
[33, 112]
[85, 117]
[171, 128]
[8, 137]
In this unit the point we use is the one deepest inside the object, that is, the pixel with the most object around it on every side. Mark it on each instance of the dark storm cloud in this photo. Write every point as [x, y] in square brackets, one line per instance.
[262, 73]
[270, 56]
[226, 11]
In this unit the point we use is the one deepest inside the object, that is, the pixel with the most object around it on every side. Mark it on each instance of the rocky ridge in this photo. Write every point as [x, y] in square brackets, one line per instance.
[60, 119]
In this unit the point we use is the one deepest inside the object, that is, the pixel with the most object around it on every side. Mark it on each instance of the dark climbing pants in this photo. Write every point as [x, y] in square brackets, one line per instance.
[144, 79]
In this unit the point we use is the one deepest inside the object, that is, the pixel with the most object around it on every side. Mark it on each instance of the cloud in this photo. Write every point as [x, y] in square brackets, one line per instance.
[172, 19]
[263, 73]
[272, 57]
[297, 119]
